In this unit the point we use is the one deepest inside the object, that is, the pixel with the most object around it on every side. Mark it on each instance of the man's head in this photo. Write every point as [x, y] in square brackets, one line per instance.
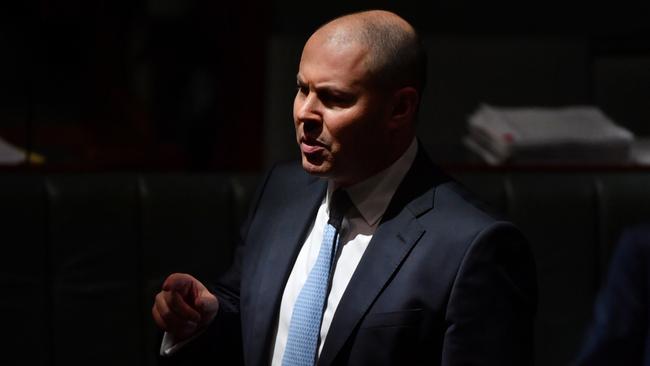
[359, 84]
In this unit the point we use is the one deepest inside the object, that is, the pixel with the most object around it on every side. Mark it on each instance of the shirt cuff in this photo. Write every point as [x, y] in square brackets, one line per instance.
[169, 345]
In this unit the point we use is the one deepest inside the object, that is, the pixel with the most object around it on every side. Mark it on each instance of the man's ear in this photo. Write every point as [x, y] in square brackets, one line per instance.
[404, 106]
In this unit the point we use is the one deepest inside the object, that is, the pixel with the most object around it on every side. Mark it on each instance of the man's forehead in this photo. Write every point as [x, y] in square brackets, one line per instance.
[346, 61]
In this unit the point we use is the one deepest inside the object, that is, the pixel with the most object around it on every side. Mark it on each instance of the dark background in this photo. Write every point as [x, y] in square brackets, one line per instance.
[203, 85]
[156, 117]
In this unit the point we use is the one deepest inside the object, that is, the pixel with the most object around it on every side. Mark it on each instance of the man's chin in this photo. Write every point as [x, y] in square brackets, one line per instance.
[316, 168]
[325, 170]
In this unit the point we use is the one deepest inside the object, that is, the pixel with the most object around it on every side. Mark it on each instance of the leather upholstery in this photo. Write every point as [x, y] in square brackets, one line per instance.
[82, 255]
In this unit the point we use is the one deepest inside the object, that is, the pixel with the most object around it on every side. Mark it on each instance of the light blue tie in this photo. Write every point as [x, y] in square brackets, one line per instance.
[304, 329]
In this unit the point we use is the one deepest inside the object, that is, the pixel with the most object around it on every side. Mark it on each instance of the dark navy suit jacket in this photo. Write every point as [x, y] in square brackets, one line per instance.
[619, 333]
[441, 282]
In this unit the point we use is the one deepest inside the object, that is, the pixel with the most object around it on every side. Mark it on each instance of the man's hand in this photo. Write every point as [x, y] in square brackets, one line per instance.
[184, 306]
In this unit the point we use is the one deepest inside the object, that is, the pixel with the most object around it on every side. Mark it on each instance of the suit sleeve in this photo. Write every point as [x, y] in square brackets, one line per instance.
[492, 303]
[619, 330]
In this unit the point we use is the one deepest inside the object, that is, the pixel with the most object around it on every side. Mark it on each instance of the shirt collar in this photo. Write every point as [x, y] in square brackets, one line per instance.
[372, 196]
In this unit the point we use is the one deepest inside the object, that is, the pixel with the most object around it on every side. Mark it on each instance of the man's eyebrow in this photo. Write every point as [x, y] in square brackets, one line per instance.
[332, 89]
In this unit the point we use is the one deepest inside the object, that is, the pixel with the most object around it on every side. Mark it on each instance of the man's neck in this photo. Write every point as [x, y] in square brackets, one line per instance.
[372, 195]
[396, 154]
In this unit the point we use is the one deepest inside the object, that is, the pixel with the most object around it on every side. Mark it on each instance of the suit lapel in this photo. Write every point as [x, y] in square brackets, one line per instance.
[290, 225]
[396, 235]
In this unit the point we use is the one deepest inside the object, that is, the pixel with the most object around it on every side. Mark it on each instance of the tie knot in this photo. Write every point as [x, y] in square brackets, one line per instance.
[339, 205]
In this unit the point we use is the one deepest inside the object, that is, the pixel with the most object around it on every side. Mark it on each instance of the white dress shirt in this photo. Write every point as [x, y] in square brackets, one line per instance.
[370, 198]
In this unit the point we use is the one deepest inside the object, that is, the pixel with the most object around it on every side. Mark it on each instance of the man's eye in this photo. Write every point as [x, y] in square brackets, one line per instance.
[335, 100]
[302, 89]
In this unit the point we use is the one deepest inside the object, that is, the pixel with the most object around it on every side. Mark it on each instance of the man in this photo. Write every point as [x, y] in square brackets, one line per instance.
[415, 274]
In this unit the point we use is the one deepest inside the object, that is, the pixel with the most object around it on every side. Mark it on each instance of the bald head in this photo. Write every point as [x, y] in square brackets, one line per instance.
[395, 56]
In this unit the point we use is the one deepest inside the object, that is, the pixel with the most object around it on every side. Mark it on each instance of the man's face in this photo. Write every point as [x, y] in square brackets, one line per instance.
[340, 119]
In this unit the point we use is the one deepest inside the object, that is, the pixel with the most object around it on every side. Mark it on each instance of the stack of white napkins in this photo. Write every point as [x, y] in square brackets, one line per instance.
[9, 154]
[573, 135]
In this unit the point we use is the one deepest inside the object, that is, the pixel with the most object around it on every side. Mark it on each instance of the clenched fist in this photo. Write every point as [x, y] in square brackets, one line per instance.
[184, 306]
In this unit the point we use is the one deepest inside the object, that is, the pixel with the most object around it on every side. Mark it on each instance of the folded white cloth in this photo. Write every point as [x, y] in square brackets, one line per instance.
[571, 134]
[10, 155]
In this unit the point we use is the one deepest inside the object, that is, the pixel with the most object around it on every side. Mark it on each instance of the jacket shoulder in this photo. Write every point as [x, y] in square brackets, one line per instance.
[461, 205]
[289, 171]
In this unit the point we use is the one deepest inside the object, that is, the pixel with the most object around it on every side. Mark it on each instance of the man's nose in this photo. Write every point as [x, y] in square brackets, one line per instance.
[309, 110]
